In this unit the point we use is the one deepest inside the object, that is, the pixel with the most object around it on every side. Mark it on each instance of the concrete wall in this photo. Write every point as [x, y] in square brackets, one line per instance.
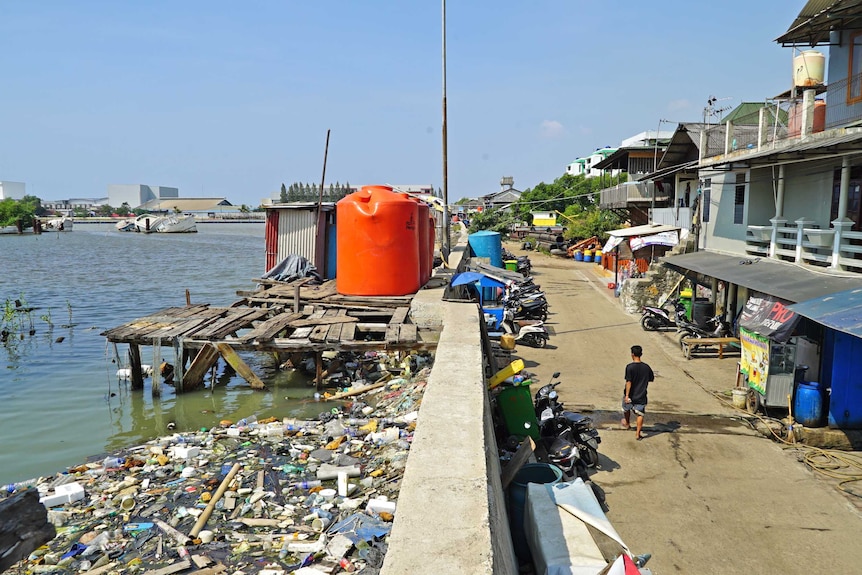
[451, 515]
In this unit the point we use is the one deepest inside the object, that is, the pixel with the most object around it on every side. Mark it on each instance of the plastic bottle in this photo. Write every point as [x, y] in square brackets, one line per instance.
[20, 485]
[345, 564]
[113, 462]
[307, 484]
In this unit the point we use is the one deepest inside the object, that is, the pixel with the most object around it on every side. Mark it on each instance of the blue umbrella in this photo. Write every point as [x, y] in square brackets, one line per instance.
[474, 277]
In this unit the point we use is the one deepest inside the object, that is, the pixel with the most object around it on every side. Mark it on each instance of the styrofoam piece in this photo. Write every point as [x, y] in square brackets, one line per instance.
[68, 493]
[186, 452]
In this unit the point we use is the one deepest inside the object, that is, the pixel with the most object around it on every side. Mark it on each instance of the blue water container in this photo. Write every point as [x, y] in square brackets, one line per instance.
[529, 473]
[486, 244]
[809, 404]
[579, 256]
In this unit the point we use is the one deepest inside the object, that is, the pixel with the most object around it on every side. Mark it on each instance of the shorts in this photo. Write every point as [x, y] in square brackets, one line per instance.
[638, 408]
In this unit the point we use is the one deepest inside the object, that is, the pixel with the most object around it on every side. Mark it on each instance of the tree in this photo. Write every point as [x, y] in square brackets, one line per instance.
[11, 211]
[492, 220]
[105, 210]
[283, 197]
[124, 210]
[244, 209]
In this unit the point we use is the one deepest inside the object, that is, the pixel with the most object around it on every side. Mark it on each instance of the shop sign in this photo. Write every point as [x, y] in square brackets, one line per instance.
[755, 359]
[768, 317]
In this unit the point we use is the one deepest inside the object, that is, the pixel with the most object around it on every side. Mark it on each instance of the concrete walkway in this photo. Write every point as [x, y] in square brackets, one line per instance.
[703, 492]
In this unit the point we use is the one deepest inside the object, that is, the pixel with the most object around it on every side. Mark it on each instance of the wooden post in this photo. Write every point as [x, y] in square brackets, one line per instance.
[296, 298]
[157, 362]
[188, 298]
[179, 366]
[318, 368]
[242, 368]
[135, 366]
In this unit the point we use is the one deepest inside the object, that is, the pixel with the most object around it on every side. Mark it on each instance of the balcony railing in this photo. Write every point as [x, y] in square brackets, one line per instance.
[627, 193]
[804, 242]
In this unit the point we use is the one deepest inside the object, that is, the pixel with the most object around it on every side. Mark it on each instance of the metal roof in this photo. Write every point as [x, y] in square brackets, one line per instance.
[642, 230]
[825, 143]
[780, 279]
[841, 311]
[818, 17]
[619, 159]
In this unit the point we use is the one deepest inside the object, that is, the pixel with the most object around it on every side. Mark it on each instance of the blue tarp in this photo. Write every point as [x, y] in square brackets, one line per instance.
[841, 311]
[473, 277]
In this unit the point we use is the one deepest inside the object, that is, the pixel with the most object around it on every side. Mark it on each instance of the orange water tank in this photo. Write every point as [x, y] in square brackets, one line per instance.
[378, 243]
[794, 122]
[424, 261]
[432, 239]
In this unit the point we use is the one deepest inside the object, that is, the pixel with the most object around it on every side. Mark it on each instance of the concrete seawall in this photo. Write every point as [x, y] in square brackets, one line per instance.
[451, 511]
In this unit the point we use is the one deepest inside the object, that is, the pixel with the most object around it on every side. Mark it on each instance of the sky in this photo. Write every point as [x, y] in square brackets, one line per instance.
[232, 99]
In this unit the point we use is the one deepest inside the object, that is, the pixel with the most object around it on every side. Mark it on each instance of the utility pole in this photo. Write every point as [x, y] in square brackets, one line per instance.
[446, 244]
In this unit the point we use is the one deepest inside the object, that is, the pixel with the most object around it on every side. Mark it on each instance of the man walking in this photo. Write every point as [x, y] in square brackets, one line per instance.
[638, 377]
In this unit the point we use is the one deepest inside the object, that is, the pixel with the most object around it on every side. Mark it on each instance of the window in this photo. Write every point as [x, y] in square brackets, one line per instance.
[854, 73]
[739, 199]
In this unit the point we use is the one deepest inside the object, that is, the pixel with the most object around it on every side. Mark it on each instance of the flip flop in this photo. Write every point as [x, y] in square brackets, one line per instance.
[623, 424]
[639, 437]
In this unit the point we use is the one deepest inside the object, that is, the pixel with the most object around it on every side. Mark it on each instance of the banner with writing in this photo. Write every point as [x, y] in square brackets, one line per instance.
[755, 359]
[768, 317]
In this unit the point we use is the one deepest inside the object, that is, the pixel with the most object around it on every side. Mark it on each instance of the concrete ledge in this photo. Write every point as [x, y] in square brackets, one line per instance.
[451, 515]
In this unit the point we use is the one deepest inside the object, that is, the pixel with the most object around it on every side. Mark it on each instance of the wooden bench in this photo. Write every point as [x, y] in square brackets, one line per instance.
[691, 342]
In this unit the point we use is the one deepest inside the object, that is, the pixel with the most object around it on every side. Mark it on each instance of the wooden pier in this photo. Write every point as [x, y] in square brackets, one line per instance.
[277, 317]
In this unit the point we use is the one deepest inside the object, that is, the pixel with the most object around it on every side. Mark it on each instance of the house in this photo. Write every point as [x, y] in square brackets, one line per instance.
[637, 156]
[777, 215]
[586, 166]
[504, 198]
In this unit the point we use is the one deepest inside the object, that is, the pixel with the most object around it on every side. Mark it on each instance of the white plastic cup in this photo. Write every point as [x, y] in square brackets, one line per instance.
[206, 536]
[127, 503]
[328, 494]
[319, 523]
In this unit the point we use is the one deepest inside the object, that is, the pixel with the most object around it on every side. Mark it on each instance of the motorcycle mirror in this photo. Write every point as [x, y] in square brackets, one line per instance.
[556, 375]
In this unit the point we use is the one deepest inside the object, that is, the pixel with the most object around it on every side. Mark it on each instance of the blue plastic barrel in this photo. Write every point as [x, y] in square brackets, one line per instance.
[579, 256]
[486, 244]
[529, 473]
[809, 404]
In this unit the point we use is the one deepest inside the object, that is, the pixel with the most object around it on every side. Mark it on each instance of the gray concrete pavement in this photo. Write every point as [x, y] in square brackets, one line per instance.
[703, 492]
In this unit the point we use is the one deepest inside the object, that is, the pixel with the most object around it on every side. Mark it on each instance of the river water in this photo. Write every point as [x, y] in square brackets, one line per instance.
[60, 398]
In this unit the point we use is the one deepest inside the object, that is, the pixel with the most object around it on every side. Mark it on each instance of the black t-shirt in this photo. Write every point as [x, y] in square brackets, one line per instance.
[640, 374]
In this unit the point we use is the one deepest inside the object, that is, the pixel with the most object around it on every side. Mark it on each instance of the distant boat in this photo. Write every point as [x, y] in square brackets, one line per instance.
[167, 224]
[63, 224]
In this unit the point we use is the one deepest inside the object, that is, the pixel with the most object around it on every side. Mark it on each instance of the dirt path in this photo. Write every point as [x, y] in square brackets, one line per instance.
[703, 493]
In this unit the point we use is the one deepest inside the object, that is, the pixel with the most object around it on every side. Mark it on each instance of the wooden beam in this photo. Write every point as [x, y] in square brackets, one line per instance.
[242, 368]
[203, 361]
[135, 366]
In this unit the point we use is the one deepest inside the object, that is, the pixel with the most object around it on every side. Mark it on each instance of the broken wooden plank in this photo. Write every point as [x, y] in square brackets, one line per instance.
[271, 327]
[407, 333]
[399, 315]
[348, 331]
[242, 368]
[203, 361]
[318, 333]
[525, 450]
[324, 320]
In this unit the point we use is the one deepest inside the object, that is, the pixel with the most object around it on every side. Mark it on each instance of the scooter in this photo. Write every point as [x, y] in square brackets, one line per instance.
[583, 428]
[655, 318]
[527, 308]
[531, 332]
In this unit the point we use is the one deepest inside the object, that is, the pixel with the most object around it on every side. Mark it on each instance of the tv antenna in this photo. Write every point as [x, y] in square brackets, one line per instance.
[711, 111]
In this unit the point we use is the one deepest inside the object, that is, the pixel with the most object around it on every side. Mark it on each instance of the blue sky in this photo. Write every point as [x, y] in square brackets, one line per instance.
[230, 99]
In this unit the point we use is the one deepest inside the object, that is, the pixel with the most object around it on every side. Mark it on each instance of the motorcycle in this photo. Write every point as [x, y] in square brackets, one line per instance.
[527, 308]
[655, 318]
[531, 332]
[715, 327]
[584, 431]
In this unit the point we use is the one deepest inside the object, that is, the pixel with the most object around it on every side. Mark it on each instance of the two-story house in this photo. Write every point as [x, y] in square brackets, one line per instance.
[777, 214]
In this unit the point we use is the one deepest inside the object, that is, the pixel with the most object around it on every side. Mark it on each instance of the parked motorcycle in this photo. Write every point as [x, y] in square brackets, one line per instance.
[527, 308]
[715, 327]
[655, 318]
[584, 431]
[531, 332]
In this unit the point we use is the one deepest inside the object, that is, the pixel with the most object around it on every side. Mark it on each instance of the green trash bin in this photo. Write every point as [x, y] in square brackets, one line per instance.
[685, 297]
[511, 265]
[516, 408]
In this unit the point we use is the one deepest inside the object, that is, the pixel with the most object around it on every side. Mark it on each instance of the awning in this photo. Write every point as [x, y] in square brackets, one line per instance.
[841, 311]
[783, 280]
[648, 229]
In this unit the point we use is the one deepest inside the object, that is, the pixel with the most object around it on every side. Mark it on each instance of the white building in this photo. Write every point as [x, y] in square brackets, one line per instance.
[584, 166]
[12, 190]
[137, 194]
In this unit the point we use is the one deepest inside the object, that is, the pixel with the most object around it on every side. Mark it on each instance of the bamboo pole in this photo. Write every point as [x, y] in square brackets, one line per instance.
[202, 520]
